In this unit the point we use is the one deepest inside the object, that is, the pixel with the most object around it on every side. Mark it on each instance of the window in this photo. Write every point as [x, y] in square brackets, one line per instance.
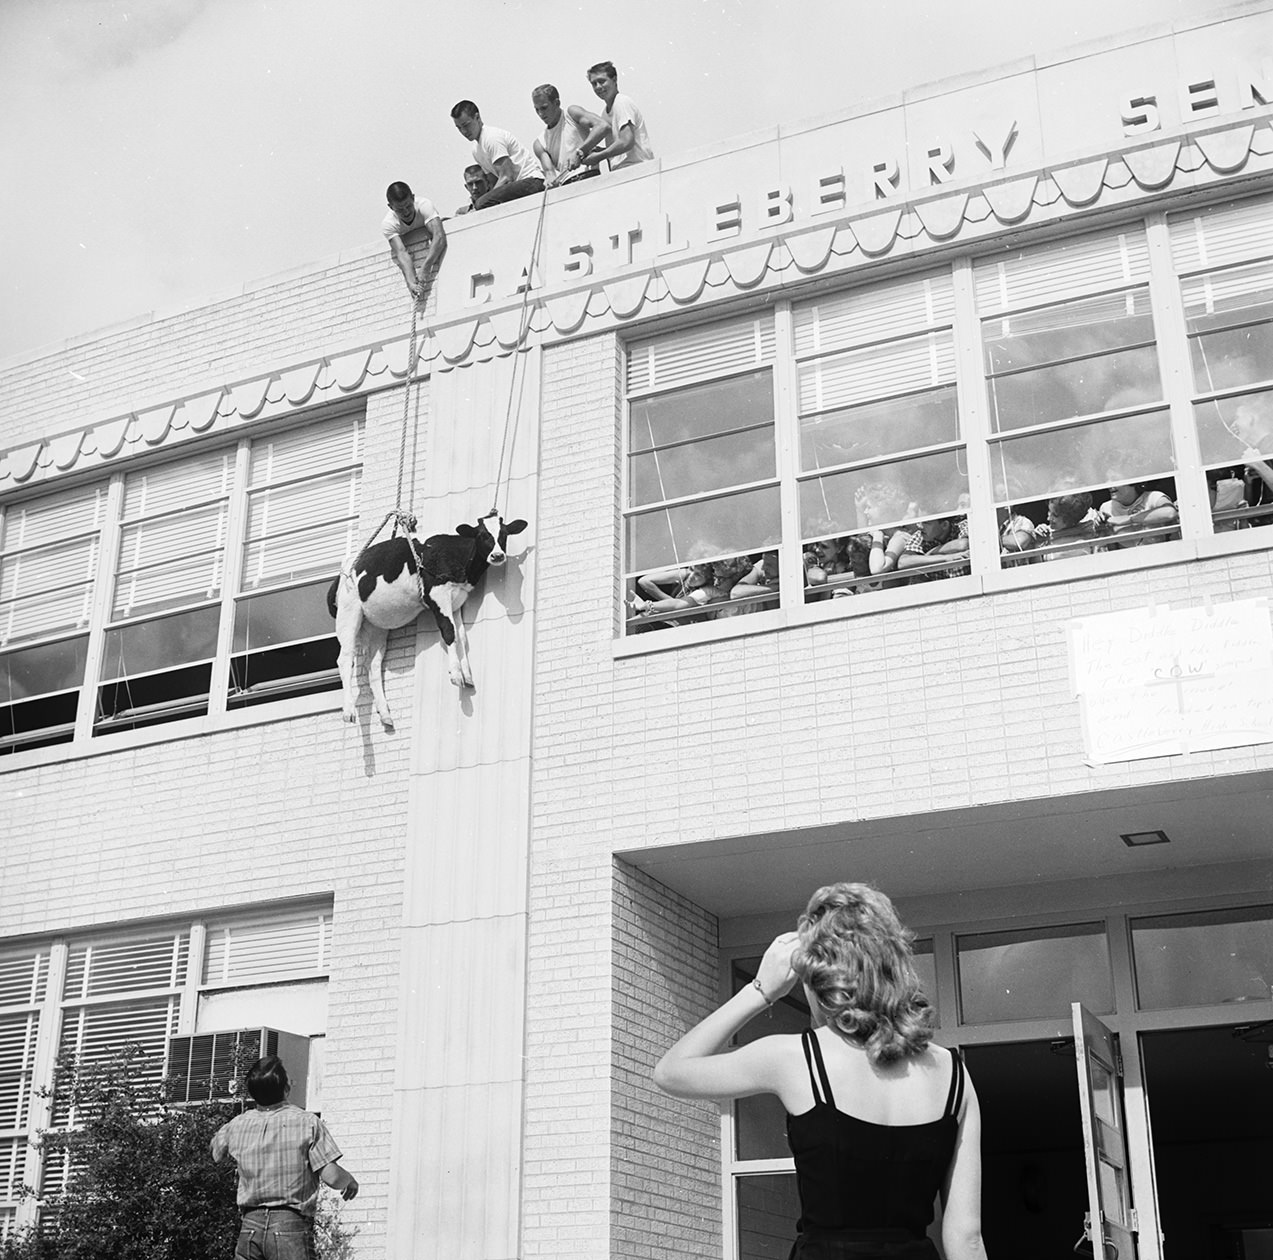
[1228, 303]
[1081, 447]
[1203, 959]
[881, 462]
[49, 557]
[175, 589]
[267, 968]
[702, 488]
[1034, 973]
[864, 440]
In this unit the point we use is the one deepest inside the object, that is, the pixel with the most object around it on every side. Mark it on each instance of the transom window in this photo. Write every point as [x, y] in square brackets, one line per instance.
[175, 589]
[999, 412]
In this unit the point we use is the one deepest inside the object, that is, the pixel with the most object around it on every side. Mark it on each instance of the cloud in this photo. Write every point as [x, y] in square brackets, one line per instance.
[105, 35]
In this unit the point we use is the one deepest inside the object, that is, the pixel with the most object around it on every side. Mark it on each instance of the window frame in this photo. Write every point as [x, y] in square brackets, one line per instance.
[1156, 265]
[221, 703]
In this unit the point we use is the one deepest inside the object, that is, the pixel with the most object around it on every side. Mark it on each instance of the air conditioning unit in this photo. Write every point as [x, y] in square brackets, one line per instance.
[207, 1067]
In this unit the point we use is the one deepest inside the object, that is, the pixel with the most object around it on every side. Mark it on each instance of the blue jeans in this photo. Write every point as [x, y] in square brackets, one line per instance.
[275, 1234]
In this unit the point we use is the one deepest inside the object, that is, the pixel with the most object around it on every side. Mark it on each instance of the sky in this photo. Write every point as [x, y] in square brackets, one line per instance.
[158, 154]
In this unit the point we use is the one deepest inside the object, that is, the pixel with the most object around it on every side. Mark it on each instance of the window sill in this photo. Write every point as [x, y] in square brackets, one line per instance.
[1048, 573]
[168, 732]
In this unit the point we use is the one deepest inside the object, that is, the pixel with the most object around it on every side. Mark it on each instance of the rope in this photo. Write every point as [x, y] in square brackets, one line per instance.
[523, 327]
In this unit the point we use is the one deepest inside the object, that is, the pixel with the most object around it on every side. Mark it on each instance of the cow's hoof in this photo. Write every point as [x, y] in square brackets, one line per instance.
[457, 681]
[386, 720]
[349, 715]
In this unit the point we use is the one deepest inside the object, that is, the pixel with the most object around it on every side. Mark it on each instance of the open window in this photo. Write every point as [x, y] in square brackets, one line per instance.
[1111, 1224]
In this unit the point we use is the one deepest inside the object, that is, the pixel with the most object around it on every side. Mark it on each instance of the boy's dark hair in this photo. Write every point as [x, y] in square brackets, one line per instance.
[464, 107]
[606, 68]
[398, 191]
[267, 1081]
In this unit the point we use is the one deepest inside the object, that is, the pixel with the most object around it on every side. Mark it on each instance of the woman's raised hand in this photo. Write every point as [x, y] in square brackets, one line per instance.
[776, 977]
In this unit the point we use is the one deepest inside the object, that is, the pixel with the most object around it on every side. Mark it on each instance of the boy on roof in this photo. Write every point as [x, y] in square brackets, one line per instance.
[499, 153]
[476, 182]
[565, 129]
[623, 121]
[406, 213]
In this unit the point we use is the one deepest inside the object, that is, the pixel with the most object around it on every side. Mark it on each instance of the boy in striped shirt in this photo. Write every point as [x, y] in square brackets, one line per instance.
[282, 1153]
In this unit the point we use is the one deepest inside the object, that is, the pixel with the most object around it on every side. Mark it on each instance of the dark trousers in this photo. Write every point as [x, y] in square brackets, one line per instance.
[509, 192]
[275, 1234]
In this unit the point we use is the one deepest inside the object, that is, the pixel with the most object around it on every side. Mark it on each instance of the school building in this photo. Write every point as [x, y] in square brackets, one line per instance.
[725, 389]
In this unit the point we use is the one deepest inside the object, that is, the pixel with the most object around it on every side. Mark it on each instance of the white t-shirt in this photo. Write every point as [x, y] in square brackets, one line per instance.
[425, 212]
[495, 143]
[624, 111]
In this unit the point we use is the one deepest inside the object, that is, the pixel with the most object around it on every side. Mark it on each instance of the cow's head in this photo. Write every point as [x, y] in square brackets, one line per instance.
[492, 529]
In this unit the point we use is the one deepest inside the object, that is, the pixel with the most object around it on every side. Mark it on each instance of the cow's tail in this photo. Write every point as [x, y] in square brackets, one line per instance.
[345, 575]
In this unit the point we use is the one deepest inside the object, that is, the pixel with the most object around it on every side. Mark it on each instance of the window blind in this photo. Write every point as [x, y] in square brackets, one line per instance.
[172, 535]
[96, 1034]
[874, 313]
[48, 561]
[303, 502]
[877, 372]
[696, 353]
[282, 946]
[94, 968]
[1045, 273]
[17, 1055]
[13, 1155]
[23, 977]
[1219, 235]
[1230, 292]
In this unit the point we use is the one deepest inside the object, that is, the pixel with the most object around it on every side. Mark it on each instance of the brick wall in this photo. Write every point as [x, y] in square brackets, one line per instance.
[273, 324]
[665, 1154]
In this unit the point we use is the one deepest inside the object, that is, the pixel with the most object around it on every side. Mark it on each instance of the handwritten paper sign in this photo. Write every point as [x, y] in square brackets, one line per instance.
[1158, 681]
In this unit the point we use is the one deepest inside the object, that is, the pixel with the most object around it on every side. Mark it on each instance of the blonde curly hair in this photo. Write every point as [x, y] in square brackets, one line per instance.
[855, 958]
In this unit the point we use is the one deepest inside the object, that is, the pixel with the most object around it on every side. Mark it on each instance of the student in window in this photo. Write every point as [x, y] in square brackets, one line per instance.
[1071, 519]
[1016, 533]
[1132, 507]
[282, 1154]
[1226, 492]
[879, 1119]
[760, 580]
[935, 543]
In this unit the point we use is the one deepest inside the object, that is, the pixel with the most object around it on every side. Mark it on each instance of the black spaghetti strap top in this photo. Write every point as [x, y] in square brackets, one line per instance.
[856, 1175]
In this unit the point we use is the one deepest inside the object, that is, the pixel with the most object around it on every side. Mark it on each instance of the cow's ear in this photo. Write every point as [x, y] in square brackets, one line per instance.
[465, 530]
[514, 527]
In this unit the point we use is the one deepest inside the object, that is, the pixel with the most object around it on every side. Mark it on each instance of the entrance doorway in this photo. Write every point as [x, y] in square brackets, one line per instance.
[1034, 1188]
[1210, 1094]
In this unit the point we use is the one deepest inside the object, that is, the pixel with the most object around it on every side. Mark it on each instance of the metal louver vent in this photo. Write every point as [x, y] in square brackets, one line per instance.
[204, 1067]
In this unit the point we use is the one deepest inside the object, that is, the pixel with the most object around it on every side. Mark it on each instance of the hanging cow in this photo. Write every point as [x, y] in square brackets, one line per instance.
[391, 583]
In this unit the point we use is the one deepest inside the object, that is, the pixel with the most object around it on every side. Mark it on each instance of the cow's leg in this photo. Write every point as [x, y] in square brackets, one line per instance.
[348, 623]
[462, 645]
[375, 639]
[446, 628]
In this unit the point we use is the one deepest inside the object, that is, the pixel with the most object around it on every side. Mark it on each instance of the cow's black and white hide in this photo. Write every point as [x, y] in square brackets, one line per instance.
[380, 592]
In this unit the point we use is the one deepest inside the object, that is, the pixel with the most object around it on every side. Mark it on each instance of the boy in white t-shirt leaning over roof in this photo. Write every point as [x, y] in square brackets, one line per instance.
[499, 153]
[629, 142]
[406, 213]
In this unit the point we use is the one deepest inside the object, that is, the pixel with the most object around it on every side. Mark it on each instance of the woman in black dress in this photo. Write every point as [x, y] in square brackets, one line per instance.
[879, 1119]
